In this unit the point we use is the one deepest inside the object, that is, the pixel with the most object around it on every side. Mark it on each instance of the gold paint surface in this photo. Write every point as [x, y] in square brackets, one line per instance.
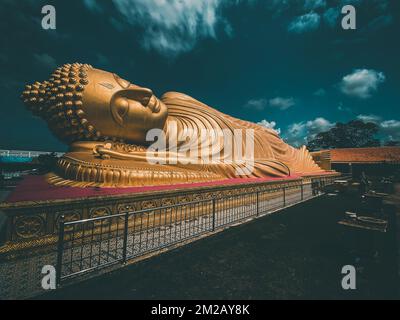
[104, 119]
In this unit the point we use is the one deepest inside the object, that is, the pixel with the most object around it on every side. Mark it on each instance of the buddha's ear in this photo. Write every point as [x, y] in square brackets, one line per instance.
[119, 108]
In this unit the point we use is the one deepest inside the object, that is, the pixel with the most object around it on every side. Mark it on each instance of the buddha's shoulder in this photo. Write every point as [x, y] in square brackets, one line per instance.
[173, 95]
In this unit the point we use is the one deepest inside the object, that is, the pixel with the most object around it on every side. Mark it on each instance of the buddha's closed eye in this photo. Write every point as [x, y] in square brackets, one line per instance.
[107, 85]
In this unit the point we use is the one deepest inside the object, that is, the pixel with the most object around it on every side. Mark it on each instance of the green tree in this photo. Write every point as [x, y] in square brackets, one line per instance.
[392, 143]
[46, 162]
[354, 134]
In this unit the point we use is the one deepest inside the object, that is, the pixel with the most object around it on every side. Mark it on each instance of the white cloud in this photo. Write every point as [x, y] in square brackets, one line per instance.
[174, 26]
[369, 118]
[278, 102]
[257, 104]
[282, 103]
[390, 129]
[318, 125]
[380, 7]
[362, 83]
[307, 22]
[300, 133]
[296, 134]
[269, 125]
[314, 4]
[316, 10]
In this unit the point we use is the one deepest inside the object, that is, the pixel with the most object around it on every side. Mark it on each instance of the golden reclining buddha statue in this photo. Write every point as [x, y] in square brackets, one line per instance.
[105, 120]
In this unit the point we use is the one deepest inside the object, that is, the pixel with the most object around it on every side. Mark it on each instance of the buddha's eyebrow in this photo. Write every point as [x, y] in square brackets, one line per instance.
[107, 85]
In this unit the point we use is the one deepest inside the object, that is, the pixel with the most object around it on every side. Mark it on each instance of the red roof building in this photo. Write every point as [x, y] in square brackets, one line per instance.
[345, 160]
[365, 155]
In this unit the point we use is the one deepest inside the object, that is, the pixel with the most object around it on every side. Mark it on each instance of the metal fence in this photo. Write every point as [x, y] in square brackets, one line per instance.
[92, 244]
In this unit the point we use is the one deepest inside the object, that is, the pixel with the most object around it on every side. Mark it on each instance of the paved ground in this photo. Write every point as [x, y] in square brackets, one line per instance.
[82, 254]
[22, 278]
[296, 254]
[3, 195]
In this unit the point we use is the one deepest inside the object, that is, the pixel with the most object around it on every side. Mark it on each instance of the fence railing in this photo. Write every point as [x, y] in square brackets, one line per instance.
[92, 244]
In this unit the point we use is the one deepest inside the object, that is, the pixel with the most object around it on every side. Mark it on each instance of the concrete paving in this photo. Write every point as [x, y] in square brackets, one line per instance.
[22, 278]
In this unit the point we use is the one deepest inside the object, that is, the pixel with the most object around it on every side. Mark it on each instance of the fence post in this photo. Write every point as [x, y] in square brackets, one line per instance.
[258, 206]
[284, 196]
[125, 241]
[302, 192]
[213, 213]
[60, 250]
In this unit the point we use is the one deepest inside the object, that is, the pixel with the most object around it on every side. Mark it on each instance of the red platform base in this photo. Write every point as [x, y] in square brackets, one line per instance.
[36, 188]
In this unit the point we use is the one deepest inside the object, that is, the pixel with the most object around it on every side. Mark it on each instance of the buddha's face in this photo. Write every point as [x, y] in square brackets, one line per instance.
[82, 103]
[119, 109]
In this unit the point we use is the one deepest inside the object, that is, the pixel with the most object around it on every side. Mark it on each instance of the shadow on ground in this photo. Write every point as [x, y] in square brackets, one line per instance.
[296, 254]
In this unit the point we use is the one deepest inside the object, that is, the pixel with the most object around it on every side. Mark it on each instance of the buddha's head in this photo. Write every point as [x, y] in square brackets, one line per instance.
[80, 102]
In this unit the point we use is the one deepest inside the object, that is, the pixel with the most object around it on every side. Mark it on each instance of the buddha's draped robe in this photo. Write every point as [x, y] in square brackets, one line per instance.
[91, 163]
[272, 156]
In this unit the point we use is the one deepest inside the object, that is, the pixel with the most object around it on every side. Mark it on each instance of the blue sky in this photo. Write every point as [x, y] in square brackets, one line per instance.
[285, 64]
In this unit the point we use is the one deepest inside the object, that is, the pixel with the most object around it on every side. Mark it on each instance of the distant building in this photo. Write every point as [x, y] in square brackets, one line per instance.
[381, 161]
[16, 163]
[23, 155]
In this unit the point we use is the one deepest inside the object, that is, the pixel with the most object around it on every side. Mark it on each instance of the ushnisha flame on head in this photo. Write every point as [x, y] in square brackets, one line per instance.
[59, 102]
[82, 103]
